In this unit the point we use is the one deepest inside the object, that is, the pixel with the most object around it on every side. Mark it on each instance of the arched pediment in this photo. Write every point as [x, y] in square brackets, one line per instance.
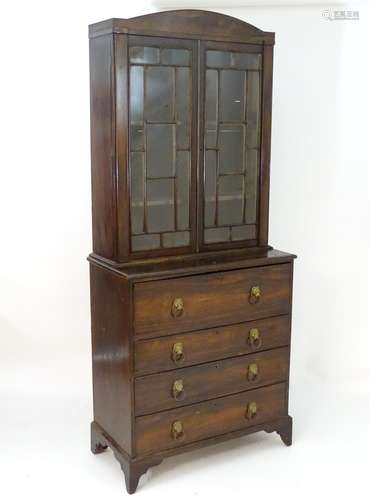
[186, 24]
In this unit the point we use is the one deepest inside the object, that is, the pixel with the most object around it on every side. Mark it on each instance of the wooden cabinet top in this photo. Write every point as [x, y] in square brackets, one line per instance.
[186, 23]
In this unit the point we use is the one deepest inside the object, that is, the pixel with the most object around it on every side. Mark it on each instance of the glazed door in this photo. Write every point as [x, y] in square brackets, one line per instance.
[162, 145]
[230, 151]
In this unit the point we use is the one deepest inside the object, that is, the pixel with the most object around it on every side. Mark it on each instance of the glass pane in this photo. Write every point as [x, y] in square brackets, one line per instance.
[246, 61]
[144, 55]
[183, 97]
[251, 185]
[160, 150]
[211, 108]
[137, 137]
[160, 122]
[230, 200]
[136, 107]
[232, 95]
[253, 110]
[180, 57]
[137, 193]
[239, 60]
[243, 232]
[183, 189]
[145, 242]
[136, 94]
[210, 187]
[232, 145]
[181, 239]
[231, 149]
[159, 95]
[160, 205]
[218, 59]
[217, 235]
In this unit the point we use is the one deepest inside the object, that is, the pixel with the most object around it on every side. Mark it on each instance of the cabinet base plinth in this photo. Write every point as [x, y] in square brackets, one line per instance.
[284, 429]
[134, 468]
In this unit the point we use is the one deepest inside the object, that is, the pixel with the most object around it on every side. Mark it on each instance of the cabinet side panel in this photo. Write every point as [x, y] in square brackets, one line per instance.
[102, 146]
[111, 354]
[289, 347]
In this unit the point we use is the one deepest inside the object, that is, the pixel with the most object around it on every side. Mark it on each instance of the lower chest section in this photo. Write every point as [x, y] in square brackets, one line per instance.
[211, 355]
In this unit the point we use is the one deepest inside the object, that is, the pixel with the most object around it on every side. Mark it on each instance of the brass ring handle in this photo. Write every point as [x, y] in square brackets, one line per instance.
[178, 390]
[252, 372]
[251, 410]
[254, 294]
[254, 338]
[177, 307]
[177, 430]
[178, 355]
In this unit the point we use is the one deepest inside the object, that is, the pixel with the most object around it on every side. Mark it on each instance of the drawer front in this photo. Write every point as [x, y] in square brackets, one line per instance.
[158, 355]
[173, 428]
[198, 383]
[185, 304]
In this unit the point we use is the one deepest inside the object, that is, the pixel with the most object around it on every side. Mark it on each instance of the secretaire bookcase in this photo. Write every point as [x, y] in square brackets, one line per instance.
[190, 306]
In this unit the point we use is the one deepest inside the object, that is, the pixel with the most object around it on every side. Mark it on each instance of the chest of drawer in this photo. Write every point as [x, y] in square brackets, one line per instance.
[176, 351]
[211, 380]
[173, 428]
[184, 304]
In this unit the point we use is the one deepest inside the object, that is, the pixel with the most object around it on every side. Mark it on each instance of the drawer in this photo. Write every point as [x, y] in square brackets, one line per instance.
[203, 301]
[173, 428]
[176, 351]
[191, 385]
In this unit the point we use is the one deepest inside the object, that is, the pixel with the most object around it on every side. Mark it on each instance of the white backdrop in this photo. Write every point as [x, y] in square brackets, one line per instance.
[319, 210]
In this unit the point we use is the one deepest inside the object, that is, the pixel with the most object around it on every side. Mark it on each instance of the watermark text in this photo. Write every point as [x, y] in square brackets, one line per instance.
[341, 15]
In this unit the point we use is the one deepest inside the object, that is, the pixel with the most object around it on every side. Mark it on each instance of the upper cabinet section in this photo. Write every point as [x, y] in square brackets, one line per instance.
[180, 134]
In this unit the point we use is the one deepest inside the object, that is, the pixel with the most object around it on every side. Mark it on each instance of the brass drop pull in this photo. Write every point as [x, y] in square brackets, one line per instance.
[254, 338]
[177, 307]
[177, 430]
[178, 353]
[178, 390]
[251, 410]
[252, 372]
[254, 295]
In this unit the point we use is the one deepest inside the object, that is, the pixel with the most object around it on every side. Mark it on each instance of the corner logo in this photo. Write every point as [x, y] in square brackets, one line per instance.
[341, 15]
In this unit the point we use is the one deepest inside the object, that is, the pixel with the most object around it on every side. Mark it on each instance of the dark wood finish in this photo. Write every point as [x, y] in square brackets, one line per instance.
[104, 216]
[110, 127]
[120, 99]
[185, 265]
[266, 130]
[202, 25]
[285, 431]
[134, 324]
[133, 468]
[111, 355]
[152, 356]
[210, 300]
[211, 380]
[98, 443]
[203, 420]
[288, 380]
